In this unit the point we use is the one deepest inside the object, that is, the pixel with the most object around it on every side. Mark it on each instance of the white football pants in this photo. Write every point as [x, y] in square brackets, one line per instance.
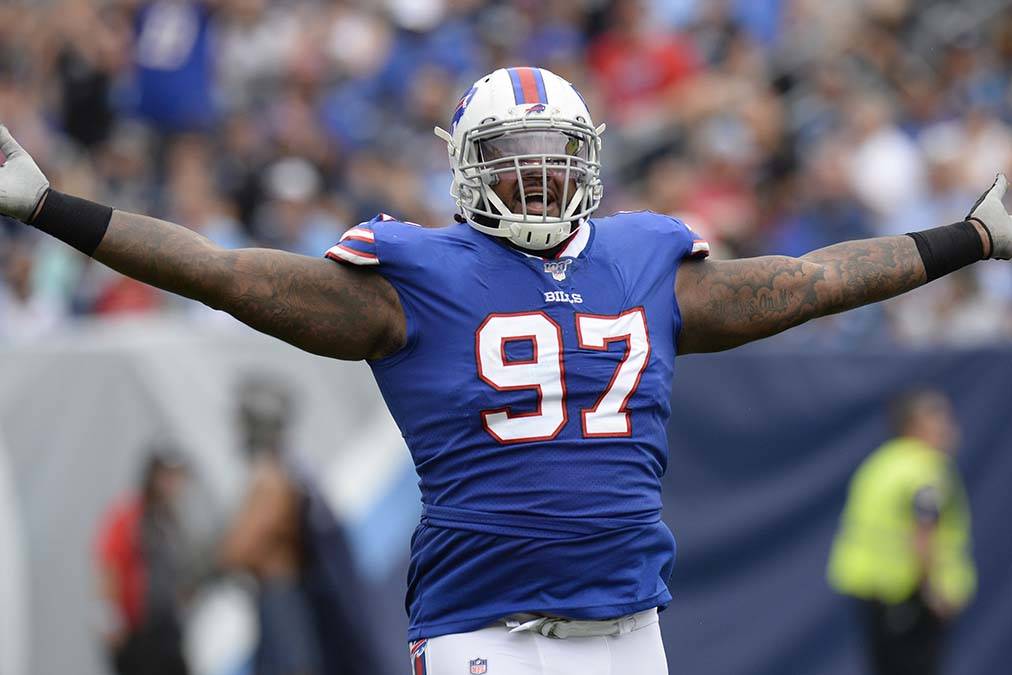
[522, 647]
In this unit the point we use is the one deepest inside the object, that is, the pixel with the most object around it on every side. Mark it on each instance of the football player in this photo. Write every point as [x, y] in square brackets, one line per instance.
[526, 352]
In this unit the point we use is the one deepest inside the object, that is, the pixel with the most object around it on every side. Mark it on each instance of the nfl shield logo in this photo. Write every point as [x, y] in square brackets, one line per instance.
[557, 268]
[479, 666]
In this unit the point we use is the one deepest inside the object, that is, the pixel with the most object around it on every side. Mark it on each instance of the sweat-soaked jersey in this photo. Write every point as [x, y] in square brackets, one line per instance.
[533, 395]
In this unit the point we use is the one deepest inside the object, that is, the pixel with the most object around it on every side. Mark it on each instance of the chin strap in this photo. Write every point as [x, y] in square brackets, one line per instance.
[496, 224]
[487, 221]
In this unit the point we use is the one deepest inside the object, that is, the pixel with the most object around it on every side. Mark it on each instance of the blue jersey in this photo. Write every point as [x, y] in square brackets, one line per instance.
[533, 395]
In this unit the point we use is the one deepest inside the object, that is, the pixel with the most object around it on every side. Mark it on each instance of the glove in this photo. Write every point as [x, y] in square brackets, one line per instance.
[992, 216]
[22, 184]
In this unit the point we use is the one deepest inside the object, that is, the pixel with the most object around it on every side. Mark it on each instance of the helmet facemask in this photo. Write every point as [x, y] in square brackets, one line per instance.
[525, 157]
[554, 167]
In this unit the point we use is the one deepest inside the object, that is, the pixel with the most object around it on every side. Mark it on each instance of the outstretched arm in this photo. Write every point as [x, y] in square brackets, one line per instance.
[314, 304]
[727, 303]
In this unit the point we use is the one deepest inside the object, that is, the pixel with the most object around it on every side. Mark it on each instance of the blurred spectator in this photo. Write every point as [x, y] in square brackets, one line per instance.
[174, 76]
[295, 218]
[639, 68]
[827, 211]
[265, 537]
[256, 41]
[25, 313]
[986, 135]
[886, 169]
[958, 312]
[903, 549]
[90, 50]
[123, 167]
[191, 196]
[144, 566]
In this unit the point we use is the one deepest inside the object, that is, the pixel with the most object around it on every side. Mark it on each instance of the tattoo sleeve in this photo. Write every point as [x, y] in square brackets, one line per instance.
[726, 303]
[312, 303]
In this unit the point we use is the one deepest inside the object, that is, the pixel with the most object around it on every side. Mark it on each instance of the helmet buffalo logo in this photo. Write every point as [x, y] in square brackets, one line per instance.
[536, 108]
[479, 666]
[461, 107]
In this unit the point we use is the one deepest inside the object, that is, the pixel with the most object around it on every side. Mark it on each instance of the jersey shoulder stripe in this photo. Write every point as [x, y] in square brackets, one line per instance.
[359, 246]
[700, 249]
[689, 244]
[361, 233]
[346, 253]
[695, 245]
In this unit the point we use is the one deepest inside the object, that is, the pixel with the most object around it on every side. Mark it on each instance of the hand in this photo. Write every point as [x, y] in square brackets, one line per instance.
[22, 184]
[992, 216]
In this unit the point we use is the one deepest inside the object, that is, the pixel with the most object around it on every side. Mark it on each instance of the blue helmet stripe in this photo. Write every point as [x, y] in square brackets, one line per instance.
[518, 90]
[540, 80]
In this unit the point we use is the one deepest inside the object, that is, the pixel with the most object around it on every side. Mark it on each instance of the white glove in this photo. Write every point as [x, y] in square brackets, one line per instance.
[22, 184]
[991, 213]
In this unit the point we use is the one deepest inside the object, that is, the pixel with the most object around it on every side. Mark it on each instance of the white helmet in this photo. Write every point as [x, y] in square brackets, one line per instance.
[524, 124]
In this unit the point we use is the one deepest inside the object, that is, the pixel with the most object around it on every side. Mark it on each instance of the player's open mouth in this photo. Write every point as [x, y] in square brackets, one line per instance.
[538, 203]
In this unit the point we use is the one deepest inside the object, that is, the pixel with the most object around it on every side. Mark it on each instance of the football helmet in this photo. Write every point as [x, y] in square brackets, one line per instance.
[530, 128]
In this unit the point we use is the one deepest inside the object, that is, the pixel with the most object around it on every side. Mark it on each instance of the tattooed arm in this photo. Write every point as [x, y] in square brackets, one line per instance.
[313, 303]
[727, 303]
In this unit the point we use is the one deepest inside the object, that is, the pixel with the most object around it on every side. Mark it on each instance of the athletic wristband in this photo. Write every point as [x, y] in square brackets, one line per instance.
[947, 249]
[76, 221]
[987, 231]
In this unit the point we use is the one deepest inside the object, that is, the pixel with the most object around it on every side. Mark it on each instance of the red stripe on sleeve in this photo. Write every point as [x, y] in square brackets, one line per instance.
[355, 237]
[355, 251]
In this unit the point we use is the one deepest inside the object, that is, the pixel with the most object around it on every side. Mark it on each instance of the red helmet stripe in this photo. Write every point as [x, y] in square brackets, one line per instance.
[528, 85]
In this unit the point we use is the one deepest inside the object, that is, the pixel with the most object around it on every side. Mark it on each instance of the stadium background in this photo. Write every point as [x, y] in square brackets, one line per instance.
[772, 127]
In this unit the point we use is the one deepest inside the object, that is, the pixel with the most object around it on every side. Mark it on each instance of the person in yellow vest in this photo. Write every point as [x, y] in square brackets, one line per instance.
[903, 547]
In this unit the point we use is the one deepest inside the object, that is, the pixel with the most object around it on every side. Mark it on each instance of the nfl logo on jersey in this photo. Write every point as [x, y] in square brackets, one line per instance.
[479, 666]
[557, 268]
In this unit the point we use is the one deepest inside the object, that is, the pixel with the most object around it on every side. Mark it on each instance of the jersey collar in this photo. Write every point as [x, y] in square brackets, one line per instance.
[577, 242]
[573, 248]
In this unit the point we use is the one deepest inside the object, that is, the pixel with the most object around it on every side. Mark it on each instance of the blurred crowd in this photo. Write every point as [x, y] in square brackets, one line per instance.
[771, 126]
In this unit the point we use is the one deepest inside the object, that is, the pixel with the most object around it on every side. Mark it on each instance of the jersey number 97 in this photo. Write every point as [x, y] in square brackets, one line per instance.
[545, 372]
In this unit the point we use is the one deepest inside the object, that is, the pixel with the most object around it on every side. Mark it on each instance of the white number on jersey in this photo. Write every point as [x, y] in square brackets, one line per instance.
[544, 372]
[609, 417]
